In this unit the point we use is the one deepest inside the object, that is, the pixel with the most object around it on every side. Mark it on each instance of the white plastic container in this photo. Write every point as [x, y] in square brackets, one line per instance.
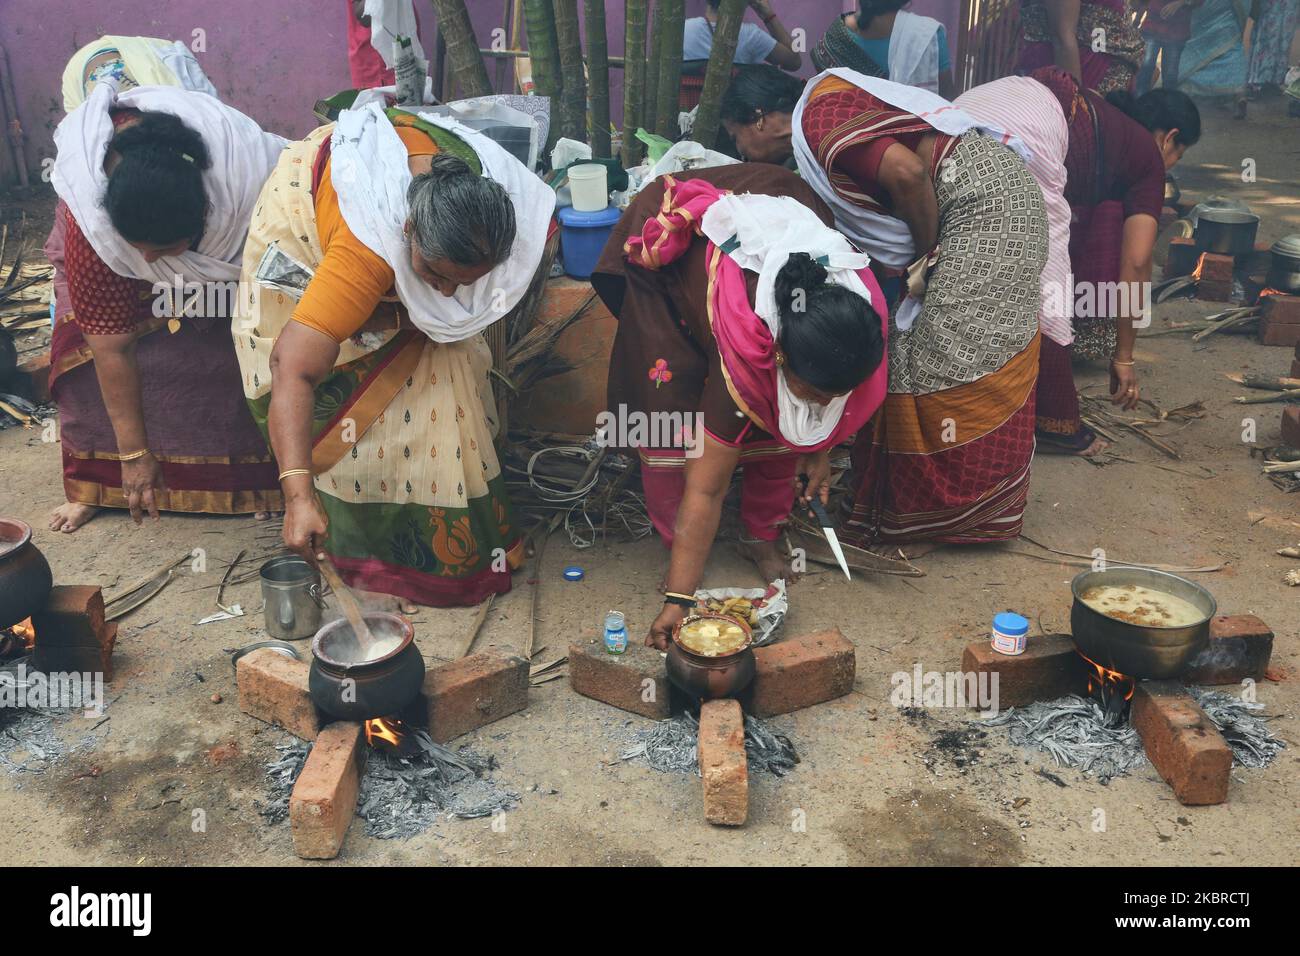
[1010, 633]
[589, 187]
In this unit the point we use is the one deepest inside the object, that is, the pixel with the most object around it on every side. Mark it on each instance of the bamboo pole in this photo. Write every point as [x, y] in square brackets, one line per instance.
[670, 68]
[462, 47]
[634, 29]
[598, 75]
[543, 51]
[573, 98]
[718, 73]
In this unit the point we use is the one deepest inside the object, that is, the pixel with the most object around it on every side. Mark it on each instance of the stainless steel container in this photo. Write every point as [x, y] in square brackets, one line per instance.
[1284, 267]
[291, 598]
[1226, 232]
[1140, 651]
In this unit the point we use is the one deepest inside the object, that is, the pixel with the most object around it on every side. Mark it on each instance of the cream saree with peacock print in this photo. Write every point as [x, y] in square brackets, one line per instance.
[402, 430]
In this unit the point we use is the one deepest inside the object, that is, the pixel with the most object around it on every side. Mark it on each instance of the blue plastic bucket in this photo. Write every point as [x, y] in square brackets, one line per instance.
[582, 238]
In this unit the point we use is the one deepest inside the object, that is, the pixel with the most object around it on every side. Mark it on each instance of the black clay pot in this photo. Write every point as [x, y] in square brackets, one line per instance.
[25, 578]
[347, 685]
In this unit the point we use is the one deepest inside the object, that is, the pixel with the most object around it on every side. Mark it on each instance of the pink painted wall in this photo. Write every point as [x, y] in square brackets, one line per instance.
[272, 58]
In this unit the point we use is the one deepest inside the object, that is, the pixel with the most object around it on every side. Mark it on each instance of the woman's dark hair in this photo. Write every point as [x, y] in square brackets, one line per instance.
[458, 215]
[868, 10]
[830, 335]
[155, 192]
[1162, 109]
[758, 89]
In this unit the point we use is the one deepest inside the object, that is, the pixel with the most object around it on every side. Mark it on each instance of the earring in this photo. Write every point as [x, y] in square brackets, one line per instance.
[780, 358]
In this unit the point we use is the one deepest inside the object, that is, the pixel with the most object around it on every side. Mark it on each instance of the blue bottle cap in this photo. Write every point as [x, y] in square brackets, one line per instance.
[1010, 624]
[573, 573]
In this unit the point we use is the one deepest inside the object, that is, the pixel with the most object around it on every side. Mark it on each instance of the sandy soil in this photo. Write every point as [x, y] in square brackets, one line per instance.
[864, 786]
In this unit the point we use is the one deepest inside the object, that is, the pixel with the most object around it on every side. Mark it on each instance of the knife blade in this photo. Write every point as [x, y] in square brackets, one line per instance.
[828, 528]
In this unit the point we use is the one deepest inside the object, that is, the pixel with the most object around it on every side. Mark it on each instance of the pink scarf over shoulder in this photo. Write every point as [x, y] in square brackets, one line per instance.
[745, 344]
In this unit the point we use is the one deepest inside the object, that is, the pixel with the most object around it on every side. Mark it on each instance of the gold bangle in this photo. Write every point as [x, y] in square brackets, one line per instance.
[678, 594]
[133, 455]
[1118, 362]
[289, 473]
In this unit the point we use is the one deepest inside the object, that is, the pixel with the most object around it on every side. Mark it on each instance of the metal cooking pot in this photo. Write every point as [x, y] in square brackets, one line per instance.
[1228, 232]
[291, 598]
[1284, 265]
[348, 685]
[1140, 651]
[710, 678]
[25, 577]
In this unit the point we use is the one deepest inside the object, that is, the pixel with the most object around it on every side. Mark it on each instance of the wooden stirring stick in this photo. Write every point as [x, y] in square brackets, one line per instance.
[348, 603]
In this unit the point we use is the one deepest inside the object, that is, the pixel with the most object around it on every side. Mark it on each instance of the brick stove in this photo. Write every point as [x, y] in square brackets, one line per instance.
[68, 635]
[1181, 742]
[790, 674]
[456, 698]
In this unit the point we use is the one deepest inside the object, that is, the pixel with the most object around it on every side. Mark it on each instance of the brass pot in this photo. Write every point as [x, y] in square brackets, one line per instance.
[710, 678]
[1146, 652]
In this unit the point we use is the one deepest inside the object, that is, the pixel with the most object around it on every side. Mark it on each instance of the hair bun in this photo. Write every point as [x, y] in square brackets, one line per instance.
[162, 135]
[800, 274]
[443, 166]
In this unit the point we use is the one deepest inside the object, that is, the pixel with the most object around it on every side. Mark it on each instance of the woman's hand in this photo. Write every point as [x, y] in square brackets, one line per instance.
[304, 526]
[141, 480]
[1124, 390]
[817, 466]
[661, 631]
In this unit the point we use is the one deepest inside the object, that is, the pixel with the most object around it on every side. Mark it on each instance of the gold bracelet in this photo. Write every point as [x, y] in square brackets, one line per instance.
[678, 594]
[1118, 362]
[133, 455]
[289, 473]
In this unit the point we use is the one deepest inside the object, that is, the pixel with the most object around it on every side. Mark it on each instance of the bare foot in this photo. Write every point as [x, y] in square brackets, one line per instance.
[1098, 446]
[70, 516]
[267, 515]
[767, 556]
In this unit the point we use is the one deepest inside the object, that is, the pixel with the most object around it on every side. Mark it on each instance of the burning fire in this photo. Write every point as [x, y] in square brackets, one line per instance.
[18, 640]
[385, 732]
[1196, 273]
[1265, 293]
[1112, 688]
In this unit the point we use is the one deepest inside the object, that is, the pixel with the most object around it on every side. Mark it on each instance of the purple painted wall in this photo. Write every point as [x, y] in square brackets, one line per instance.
[274, 59]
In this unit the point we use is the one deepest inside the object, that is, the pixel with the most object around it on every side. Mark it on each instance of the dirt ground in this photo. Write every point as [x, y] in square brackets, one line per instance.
[864, 786]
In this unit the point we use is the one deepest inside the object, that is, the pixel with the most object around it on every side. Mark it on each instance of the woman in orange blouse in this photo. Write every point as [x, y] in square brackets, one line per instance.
[373, 385]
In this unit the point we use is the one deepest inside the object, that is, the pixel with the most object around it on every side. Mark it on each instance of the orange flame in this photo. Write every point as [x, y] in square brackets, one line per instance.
[1107, 682]
[1265, 293]
[1200, 267]
[387, 731]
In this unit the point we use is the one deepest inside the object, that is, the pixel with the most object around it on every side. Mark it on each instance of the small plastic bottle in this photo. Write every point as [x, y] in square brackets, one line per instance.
[1010, 632]
[615, 632]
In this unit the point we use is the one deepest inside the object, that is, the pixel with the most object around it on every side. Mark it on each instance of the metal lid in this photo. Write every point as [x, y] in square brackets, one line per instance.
[1288, 246]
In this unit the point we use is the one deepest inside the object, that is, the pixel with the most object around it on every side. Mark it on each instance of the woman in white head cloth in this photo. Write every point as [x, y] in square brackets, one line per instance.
[156, 185]
[413, 234]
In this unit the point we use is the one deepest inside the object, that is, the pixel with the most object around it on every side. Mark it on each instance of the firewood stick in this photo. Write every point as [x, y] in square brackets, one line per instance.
[1271, 382]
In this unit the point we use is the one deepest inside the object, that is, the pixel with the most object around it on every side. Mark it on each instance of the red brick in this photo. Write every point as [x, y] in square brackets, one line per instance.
[723, 765]
[1240, 647]
[1291, 426]
[1279, 321]
[797, 673]
[77, 658]
[473, 691]
[34, 378]
[324, 798]
[1183, 744]
[273, 688]
[73, 616]
[1214, 290]
[1049, 668]
[1217, 268]
[635, 681]
[1182, 257]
